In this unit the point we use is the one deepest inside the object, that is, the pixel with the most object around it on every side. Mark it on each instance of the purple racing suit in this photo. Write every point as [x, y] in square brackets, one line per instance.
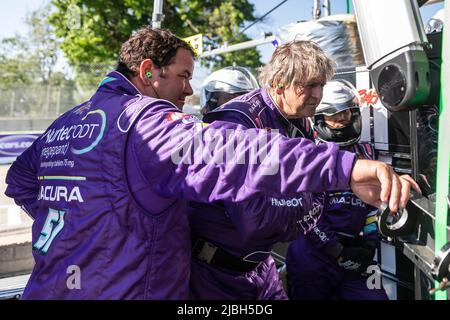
[311, 262]
[108, 184]
[243, 234]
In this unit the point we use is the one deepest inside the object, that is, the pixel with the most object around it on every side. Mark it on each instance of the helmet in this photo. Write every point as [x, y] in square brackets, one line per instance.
[229, 80]
[436, 23]
[338, 96]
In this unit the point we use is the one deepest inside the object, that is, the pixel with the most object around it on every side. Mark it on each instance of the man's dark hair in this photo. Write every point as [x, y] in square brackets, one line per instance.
[159, 45]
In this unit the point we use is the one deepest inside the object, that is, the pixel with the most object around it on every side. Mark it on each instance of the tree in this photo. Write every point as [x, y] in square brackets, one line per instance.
[220, 22]
[31, 57]
[28, 80]
[19, 66]
[102, 26]
[43, 42]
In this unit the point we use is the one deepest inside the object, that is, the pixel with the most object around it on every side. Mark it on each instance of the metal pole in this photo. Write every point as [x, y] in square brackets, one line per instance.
[443, 156]
[58, 101]
[413, 144]
[348, 6]
[326, 5]
[316, 10]
[239, 46]
[158, 16]
[13, 99]
[47, 100]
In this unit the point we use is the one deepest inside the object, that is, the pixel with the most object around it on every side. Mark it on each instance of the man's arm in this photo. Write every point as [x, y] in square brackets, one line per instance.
[272, 219]
[166, 150]
[22, 180]
[374, 181]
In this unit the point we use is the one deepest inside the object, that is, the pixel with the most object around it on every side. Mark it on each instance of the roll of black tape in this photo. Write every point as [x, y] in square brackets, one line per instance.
[394, 225]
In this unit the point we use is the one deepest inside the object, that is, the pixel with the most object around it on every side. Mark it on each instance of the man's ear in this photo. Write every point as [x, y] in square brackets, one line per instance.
[146, 70]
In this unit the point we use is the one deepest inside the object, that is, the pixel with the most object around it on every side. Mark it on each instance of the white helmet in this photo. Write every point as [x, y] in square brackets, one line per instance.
[338, 96]
[229, 80]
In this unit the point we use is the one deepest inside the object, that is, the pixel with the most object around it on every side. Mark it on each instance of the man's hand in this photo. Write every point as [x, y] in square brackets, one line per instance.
[375, 182]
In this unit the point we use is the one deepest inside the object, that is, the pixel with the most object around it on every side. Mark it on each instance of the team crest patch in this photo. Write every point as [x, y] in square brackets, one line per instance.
[184, 117]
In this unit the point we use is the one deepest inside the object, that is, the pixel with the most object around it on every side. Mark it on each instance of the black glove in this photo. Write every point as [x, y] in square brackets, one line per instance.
[356, 259]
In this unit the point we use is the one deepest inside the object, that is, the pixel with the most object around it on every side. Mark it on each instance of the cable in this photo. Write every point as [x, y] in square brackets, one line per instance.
[262, 17]
[157, 95]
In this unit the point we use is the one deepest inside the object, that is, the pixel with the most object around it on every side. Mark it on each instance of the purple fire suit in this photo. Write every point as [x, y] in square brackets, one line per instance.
[108, 185]
[313, 271]
[248, 230]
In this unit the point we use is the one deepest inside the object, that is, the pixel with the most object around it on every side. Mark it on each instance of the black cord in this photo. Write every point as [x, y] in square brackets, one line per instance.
[157, 95]
[262, 17]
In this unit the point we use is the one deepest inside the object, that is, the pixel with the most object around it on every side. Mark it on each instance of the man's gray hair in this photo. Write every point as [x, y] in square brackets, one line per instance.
[296, 61]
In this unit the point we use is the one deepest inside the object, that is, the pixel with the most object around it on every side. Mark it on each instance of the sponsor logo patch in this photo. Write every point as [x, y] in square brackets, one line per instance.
[184, 117]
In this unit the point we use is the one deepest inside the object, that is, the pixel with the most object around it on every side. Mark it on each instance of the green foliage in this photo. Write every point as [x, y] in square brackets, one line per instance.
[30, 58]
[29, 84]
[18, 68]
[101, 27]
[42, 41]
